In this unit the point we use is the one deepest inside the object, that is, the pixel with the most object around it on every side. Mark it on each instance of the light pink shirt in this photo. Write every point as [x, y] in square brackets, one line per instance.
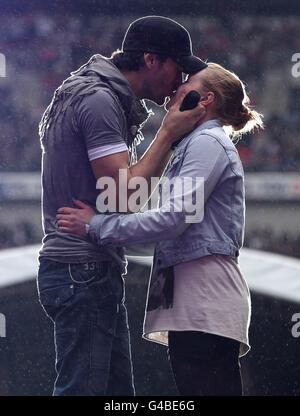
[210, 295]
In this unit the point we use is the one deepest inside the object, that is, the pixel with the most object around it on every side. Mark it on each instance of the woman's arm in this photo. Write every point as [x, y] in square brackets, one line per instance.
[202, 167]
[123, 229]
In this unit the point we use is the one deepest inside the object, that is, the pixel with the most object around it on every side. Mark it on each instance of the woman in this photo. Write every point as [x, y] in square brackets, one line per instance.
[198, 301]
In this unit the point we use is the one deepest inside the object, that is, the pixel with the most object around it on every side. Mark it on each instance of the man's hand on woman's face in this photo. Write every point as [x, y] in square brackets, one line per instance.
[176, 123]
[74, 220]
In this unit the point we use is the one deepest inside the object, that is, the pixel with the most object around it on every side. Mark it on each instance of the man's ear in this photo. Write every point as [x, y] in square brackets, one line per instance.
[150, 60]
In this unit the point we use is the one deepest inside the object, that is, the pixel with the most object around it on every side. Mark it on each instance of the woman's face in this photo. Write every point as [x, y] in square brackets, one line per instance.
[192, 83]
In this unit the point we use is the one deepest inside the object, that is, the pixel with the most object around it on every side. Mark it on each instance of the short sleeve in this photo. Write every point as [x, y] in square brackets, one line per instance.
[101, 122]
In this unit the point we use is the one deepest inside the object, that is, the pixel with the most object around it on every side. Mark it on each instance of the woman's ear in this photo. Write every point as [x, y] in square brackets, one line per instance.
[208, 98]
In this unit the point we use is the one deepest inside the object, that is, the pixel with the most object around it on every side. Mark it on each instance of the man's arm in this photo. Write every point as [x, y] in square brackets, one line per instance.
[100, 118]
[175, 125]
[150, 165]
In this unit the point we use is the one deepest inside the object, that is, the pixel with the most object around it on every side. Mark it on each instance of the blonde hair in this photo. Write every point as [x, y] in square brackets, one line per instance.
[232, 102]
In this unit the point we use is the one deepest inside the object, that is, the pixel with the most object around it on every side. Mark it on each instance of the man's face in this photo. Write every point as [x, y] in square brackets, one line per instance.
[165, 79]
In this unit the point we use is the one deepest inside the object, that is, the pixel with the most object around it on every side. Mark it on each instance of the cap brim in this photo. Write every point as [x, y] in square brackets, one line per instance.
[191, 64]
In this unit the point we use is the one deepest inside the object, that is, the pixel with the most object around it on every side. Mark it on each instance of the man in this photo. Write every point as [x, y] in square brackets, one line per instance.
[88, 132]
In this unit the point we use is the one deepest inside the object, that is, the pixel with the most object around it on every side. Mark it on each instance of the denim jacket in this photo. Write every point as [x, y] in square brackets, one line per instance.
[206, 153]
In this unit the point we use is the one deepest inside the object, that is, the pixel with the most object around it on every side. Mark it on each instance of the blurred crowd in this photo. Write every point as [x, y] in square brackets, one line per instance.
[41, 50]
[267, 240]
[18, 235]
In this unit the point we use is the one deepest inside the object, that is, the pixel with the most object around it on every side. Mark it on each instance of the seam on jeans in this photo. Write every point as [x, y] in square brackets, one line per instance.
[76, 281]
[94, 327]
[89, 369]
[71, 339]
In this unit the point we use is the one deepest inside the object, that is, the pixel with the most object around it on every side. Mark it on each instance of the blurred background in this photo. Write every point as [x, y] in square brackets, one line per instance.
[41, 42]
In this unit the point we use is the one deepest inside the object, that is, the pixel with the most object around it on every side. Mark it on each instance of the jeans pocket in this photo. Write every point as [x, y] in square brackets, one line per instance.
[105, 289]
[53, 299]
[85, 273]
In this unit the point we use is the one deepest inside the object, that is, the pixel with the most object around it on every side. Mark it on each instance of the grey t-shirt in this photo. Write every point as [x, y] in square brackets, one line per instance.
[95, 121]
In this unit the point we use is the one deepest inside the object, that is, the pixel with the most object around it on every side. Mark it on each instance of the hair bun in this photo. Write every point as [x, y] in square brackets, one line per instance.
[243, 116]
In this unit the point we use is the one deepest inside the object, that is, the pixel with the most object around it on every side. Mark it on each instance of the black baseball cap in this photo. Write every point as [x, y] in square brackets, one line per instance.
[161, 35]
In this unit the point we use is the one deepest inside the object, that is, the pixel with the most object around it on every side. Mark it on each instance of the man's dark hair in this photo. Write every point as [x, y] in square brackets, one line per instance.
[132, 61]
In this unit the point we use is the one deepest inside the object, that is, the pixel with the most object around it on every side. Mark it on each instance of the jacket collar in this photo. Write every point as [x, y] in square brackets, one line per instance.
[209, 124]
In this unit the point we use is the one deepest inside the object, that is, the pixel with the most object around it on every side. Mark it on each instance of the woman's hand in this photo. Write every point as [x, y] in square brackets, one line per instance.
[74, 220]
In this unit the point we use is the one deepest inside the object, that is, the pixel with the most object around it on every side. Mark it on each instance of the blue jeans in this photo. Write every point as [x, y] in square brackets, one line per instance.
[85, 301]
